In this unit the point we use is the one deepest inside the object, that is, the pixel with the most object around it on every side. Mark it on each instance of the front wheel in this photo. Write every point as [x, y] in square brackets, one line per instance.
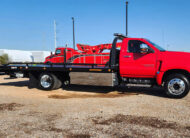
[177, 86]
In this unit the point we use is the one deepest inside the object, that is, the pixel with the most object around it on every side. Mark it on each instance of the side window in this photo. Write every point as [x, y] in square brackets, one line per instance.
[135, 46]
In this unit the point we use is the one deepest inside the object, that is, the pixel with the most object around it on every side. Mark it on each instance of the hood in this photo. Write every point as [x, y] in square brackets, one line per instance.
[173, 55]
[177, 60]
[50, 56]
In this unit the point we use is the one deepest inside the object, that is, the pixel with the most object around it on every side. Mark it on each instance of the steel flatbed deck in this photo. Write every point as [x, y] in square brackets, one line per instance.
[68, 67]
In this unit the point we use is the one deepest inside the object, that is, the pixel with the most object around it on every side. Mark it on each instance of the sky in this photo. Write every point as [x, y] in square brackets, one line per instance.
[28, 24]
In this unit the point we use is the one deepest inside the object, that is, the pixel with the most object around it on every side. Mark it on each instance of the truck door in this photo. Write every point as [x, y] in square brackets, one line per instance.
[58, 58]
[138, 60]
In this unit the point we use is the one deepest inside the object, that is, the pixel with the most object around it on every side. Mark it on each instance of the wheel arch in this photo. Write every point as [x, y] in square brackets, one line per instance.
[177, 71]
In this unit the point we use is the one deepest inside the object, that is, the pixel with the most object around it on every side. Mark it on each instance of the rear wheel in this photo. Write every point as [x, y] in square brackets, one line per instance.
[177, 86]
[48, 81]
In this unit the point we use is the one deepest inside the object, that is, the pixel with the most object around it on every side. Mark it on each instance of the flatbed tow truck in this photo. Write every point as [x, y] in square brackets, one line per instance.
[138, 61]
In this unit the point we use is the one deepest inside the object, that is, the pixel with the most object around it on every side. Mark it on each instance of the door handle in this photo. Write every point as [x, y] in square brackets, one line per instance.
[127, 56]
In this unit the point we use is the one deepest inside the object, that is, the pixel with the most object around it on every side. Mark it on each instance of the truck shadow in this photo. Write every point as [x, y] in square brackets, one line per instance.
[154, 91]
[16, 84]
[89, 88]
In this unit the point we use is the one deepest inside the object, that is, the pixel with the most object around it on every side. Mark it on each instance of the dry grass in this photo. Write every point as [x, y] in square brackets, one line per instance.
[78, 136]
[4, 59]
[187, 127]
[151, 123]
[9, 106]
[136, 120]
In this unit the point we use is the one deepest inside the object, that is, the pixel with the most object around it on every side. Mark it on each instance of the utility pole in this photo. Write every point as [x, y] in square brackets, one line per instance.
[127, 18]
[73, 32]
[55, 35]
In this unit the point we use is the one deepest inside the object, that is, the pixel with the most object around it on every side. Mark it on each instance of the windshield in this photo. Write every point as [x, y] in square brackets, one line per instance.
[58, 51]
[157, 46]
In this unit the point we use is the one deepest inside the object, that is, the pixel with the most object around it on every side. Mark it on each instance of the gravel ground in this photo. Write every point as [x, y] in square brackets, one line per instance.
[90, 111]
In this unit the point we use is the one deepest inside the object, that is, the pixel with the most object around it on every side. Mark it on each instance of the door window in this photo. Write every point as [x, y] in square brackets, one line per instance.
[135, 46]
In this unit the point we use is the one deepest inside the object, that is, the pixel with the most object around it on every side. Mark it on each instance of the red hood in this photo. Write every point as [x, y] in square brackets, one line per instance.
[178, 60]
[173, 55]
[50, 56]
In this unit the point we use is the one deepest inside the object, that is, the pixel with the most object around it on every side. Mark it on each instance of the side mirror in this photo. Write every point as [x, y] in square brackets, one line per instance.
[144, 48]
[150, 51]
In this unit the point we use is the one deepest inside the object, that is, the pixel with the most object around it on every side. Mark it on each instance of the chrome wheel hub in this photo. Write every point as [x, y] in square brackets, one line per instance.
[176, 86]
[46, 81]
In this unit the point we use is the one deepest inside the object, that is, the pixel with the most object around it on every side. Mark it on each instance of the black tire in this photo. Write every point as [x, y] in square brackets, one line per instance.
[176, 86]
[58, 84]
[51, 79]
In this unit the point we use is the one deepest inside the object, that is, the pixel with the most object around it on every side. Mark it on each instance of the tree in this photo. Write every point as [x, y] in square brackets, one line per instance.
[4, 59]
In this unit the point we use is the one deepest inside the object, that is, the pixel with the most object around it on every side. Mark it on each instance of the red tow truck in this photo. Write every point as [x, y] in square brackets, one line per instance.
[135, 61]
[87, 54]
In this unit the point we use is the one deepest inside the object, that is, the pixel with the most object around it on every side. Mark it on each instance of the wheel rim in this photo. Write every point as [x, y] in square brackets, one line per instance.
[176, 86]
[46, 81]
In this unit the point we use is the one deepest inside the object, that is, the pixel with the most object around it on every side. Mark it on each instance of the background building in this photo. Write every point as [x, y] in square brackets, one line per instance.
[25, 56]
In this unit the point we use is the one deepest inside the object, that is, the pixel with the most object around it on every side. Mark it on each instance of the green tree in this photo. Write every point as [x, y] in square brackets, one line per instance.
[4, 59]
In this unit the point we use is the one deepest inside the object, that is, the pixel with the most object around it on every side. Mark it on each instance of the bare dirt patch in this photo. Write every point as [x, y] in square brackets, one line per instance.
[108, 95]
[9, 106]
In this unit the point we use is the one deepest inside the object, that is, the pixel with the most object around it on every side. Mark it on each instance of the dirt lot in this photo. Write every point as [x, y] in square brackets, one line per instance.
[83, 111]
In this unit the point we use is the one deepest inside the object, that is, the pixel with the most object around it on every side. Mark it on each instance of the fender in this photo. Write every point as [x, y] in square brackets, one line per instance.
[159, 77]
[161, 74]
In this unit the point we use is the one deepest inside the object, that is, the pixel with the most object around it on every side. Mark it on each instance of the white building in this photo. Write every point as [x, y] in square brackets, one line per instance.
[25, 56]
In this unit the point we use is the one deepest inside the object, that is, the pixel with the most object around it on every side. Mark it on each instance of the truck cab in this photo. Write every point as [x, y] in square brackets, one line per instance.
[59, 56]
[144, 62]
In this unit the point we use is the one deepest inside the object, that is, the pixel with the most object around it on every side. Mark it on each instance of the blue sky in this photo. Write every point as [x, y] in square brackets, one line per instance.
[28, 24]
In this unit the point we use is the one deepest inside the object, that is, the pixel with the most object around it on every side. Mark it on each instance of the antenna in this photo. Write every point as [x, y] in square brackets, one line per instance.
[55, 34]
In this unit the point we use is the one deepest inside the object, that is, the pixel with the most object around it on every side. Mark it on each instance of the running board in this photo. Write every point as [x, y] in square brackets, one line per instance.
[139, 85]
